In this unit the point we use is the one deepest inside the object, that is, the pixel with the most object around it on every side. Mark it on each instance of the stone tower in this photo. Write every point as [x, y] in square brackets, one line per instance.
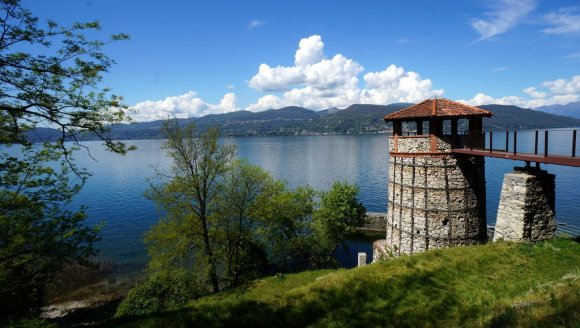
[435, 198]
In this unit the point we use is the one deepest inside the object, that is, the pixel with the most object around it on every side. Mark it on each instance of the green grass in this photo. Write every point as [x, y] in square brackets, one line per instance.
[499, 284]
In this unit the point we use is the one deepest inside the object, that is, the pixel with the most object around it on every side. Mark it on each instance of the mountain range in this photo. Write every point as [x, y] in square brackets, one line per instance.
[571, 109]
[355, 119]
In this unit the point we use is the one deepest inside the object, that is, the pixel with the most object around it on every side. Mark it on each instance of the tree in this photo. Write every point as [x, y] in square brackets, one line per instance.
[58, 83]
[37, 237]
[187, 194]
[55, 84]
[238, 195]
[286, 218]
[226, 222]
[305, 227]
[337, 218]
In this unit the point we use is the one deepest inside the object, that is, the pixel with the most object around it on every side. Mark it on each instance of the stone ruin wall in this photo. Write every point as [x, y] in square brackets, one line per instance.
[526, 209]
[433, 201]
[374, 221]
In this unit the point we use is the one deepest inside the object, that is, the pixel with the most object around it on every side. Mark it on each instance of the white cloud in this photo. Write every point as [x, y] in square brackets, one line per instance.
[308, 60]
[563, 21]
[182, 106]
[333, 73]
[310, 51]
[255, 23]
[559, 92]
[395, 85]
[317, 82]
[229, 103]
[265, 102]
[314, 81]
[276, 78]
[564, 87]
[505, 15]
[479, 99]
[532, 92]
[500, 69]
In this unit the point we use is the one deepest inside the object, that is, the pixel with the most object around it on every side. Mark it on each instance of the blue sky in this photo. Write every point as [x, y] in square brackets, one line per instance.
[191, 58]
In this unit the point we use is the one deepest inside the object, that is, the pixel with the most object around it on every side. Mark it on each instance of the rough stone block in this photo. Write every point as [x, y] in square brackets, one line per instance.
[362, 259]
[526, 210]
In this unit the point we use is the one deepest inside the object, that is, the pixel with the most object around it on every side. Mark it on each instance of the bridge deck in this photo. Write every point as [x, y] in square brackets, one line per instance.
[550, 159]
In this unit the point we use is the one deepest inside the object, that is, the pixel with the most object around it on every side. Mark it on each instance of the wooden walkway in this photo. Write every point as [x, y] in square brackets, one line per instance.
[483, 145]
[536, 158]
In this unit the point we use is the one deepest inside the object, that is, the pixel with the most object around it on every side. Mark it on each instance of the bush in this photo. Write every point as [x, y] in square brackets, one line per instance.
[160, 292]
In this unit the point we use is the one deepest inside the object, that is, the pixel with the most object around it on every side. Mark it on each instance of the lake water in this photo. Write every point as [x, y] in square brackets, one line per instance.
[115, 191]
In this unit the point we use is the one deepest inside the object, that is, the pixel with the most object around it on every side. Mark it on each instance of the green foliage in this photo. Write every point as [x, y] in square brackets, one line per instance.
[161, 291]
[56, 84]
[499, 284]
[37, 237]
[286, 217]
[228, 222]
[237, 200]
[336, 219]
[187, 237]
[304, 232]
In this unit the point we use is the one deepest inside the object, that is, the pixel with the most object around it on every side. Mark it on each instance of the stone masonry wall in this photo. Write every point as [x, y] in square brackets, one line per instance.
[526, 207]
[435, 202]
[375, 221]
[417, 144]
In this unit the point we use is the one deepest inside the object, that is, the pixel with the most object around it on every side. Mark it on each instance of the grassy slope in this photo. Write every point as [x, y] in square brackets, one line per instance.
[490, 285]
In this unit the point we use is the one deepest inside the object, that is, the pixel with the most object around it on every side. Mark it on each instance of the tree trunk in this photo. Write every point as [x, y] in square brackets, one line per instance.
[210, 259]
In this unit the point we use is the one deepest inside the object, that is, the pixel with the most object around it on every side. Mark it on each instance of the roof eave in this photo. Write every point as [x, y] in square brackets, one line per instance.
[409, 119]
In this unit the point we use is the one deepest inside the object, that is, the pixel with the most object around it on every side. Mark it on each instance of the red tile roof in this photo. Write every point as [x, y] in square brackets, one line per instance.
[442, 108]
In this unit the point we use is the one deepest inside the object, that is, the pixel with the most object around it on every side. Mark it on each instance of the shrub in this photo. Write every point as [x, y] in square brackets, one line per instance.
[159, 292]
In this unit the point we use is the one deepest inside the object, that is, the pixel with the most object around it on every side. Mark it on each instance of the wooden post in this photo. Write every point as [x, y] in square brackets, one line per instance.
[536, 144]
[507, 140]
[475, 124]
[397, 128]
[490, 141]
[419, 127]
[435, 126]
[574, 143]
[546, 143]
[453, 132]
[515, 141]
[471, 140]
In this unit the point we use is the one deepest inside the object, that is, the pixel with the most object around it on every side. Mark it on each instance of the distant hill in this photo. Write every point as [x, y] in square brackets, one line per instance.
[330, 111]
[513, 117]
[355, 119]
[571, 109]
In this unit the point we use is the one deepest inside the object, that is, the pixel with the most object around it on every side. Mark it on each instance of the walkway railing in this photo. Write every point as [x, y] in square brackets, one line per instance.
[557, 146]
[538, 142]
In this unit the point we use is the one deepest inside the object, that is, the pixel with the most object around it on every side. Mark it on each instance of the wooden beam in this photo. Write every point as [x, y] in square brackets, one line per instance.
[419, 127]
[397, 128]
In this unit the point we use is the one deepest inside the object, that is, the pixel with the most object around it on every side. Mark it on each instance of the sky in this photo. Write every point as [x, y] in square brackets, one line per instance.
[193, 58]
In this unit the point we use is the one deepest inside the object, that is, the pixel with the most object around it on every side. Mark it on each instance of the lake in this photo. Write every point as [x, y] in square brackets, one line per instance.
[115, 191]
